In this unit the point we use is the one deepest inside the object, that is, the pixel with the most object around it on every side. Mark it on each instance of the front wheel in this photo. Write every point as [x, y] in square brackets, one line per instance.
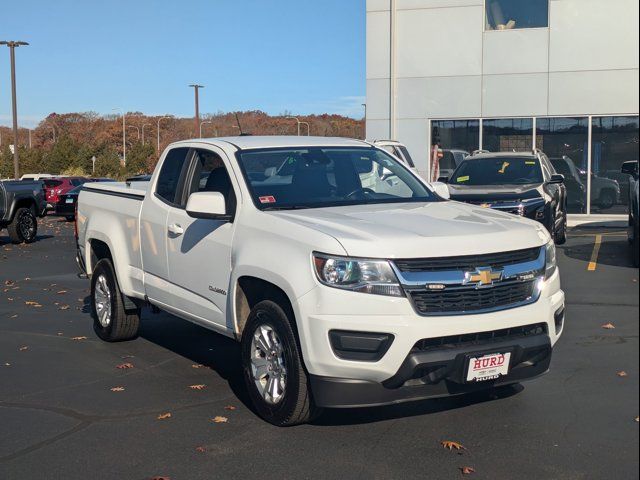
[24, 227]
[111, 322]
[607, 200]
[272, 366]
[560, 234]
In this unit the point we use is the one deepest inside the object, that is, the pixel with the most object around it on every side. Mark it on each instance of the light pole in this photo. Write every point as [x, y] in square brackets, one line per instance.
[197, 87]
[124, 136]
[308, 128]
[137, 130]
[159, 120]
[144, 125]
[298, 121]
[93, 165]
[29, 130]
[12, 49]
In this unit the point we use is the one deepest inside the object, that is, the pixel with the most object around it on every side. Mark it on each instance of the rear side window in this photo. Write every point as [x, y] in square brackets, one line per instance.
[52, 183]
[168, 184]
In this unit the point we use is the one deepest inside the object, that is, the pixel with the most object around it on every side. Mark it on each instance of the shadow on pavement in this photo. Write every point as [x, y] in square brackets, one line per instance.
[614, 251]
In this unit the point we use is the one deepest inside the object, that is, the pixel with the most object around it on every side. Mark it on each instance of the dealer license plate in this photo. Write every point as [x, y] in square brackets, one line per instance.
[488, 367]
[69, 200]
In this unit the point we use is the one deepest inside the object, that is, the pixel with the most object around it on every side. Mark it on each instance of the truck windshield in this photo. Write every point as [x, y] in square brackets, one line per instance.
[323, 177]
[498, 171]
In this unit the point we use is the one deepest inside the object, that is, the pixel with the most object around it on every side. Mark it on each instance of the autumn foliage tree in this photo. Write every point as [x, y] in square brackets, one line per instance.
[64, 143]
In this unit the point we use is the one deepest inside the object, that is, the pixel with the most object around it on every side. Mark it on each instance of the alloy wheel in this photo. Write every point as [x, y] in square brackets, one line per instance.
[268, 367]
[102, 299]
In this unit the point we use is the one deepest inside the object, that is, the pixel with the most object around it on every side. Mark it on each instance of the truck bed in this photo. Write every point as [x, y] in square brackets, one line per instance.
[110, 213]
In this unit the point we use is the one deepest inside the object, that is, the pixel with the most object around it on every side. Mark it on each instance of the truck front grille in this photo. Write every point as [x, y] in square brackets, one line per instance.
[461, 299]
[470, 262]
[472, 339]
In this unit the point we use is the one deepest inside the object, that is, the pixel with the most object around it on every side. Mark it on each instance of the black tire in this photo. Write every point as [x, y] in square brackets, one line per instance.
[296, 404]
[24, 227]
[121, 325]
[560, 234]
[607, 200]
[636, 246]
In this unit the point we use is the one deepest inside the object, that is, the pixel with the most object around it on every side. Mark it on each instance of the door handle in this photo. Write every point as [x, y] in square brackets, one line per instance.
[175, 229]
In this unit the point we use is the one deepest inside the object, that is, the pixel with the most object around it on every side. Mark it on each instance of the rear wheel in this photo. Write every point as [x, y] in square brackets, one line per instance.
[111, 322]
[272, 365]
[607, 199]
[24, 227]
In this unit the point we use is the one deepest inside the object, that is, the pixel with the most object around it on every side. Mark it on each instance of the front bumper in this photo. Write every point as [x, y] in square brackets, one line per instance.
[340, 382]
[438, 373]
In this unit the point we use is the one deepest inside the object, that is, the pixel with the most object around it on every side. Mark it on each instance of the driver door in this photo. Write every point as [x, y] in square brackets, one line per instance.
[199, 250]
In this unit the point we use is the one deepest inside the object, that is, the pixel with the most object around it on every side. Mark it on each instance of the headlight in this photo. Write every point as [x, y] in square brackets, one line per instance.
[550, 264]
[366, 276]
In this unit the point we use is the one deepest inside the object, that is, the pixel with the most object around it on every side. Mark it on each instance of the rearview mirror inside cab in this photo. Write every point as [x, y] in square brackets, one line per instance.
[207, 205]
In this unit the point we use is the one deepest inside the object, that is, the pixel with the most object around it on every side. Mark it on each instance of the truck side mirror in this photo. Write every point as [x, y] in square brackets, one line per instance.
[630, 168]
[208, 206]
[443, 179]
[441, 190]
[556, 178]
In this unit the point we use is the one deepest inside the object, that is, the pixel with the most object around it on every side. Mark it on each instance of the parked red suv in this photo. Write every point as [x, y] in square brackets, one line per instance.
[54, 187]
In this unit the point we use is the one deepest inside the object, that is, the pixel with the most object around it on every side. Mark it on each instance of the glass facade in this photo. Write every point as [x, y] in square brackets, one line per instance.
[451, 142]
[507, 134]
[565, 140]
[614, 141]
[511, 14]
[566, 143]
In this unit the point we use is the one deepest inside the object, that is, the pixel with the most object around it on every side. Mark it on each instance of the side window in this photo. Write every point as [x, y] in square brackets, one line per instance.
[168, 185]
[211, 175]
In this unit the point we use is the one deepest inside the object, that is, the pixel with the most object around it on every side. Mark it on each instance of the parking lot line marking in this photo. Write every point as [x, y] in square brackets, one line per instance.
[593, 264]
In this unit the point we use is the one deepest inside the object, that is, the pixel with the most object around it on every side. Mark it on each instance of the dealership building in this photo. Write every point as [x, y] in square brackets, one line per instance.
[451, 76]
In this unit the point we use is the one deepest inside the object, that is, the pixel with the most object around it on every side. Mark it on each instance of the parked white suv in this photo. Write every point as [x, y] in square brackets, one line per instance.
[342, 295]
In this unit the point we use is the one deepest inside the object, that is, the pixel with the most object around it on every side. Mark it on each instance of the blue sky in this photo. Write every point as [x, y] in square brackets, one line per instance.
[304, 56]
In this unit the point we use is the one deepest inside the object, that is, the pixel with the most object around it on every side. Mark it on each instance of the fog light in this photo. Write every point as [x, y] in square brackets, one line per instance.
[360, 346]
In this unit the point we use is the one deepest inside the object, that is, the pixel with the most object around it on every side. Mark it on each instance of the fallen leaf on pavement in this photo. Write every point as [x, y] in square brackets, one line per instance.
[608, 326]
[32, 304]
[78, 338]
[230, 407]
[117, 389]
[467, 470]
[637, 419]
[164, 416]
[219, 419]
[64, 307]
[452, 445]
[62, 292]
[197, 366]
[201, 449]
[197, 387]
[124, 366]
[22, 349]
[622, 374]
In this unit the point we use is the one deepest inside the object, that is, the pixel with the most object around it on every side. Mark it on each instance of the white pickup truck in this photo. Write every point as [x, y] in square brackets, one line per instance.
[348, 281]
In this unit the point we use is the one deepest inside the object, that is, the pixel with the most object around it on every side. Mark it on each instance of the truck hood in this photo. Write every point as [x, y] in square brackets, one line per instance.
[414, 230]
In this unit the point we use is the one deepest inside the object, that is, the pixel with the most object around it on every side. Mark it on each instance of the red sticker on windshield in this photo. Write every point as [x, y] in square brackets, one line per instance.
[268, 199]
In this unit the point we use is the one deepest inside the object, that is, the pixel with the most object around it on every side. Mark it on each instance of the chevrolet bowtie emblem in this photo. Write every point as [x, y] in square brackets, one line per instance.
[483, 277]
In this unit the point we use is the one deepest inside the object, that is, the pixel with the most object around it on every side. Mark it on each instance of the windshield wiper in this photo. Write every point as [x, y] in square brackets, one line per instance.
[286, 207]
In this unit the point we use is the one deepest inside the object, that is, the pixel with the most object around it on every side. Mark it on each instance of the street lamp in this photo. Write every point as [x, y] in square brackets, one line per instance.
[298, 121]
[215, 130]
[12, 49]
[124, 136]
[308, 128]
[197, 87]
[144, 125]
[159, 120]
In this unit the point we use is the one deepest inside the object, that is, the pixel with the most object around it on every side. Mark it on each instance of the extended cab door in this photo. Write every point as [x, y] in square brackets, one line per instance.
[153, 222]
[199, 250]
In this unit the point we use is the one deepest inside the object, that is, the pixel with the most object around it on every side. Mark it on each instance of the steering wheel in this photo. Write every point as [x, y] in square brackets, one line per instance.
[359, 190]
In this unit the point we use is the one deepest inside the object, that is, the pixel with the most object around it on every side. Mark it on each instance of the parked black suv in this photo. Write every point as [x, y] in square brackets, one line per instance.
[524, 184]
[21, 203]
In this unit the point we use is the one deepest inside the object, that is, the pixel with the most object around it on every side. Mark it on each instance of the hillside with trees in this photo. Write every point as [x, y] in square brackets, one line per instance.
[65, 143]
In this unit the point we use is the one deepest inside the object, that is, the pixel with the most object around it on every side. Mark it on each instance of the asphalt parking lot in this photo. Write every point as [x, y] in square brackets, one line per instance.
[67, 411]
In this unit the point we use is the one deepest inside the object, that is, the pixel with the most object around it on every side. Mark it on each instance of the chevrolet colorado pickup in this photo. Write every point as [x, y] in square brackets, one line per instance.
[21, 203]
[347, 280]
